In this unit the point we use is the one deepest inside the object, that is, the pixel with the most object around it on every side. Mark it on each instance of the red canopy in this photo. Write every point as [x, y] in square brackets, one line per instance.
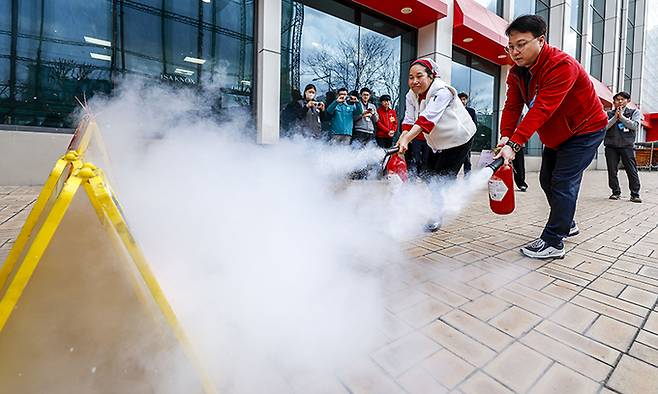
[605, 95]
[422, 12]
[480, 31]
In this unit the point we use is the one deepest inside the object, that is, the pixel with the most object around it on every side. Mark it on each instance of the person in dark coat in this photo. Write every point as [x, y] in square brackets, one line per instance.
[619, 142]
[464, 98]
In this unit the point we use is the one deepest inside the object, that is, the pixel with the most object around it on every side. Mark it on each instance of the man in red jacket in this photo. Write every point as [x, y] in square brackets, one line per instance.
[387, 124]
[567, 114]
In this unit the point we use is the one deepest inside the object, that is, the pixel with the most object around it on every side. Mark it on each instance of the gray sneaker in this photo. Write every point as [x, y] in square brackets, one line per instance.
[614, 196]
[573, 231]
[636, 199]
[538, 249]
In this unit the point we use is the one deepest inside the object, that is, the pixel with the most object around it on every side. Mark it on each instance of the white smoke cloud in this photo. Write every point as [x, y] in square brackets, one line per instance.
[274, 262]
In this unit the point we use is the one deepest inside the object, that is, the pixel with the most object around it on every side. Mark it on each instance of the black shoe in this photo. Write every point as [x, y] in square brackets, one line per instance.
[636, 199]
[432, 227]
[523, 188]
[538, 249]
[614, 196]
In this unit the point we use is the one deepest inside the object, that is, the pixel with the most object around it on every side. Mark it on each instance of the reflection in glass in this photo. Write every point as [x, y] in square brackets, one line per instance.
[63, 50]
[479, 79]
[332, 45]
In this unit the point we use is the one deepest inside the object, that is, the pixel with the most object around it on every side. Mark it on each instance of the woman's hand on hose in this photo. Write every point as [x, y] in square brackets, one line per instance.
[403, 143]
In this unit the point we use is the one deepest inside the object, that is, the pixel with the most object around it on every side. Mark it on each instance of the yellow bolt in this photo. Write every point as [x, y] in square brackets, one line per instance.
[90, 166]
[86, 173]
[71, 155]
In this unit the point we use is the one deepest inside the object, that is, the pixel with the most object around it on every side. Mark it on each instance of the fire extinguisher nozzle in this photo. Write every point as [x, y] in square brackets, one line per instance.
[496, 164]
[391, 151]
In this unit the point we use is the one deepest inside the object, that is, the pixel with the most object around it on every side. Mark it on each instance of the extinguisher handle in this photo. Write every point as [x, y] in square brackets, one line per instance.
[391, 151]
[496, 164]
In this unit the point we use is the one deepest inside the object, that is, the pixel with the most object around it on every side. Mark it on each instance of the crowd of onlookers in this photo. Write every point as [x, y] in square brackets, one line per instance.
[355, 118]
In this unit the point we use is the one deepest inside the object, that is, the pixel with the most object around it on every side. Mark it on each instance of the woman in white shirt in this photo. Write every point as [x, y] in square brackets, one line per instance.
[434, 109]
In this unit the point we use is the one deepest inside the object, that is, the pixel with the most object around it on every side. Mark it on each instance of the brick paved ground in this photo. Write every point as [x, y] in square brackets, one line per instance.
[470, 314]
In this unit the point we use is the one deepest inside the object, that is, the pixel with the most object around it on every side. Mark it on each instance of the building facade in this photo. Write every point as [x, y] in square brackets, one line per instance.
[255, 53]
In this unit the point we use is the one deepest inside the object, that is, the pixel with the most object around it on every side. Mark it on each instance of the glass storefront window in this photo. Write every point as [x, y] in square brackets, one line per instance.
[536, 7]
[573, 40]
[332, 45]
[495, 6]
[598, 33]
[72, 49]
[479, 79]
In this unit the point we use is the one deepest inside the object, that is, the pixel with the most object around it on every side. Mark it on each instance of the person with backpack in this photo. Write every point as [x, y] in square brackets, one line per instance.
[623, 123]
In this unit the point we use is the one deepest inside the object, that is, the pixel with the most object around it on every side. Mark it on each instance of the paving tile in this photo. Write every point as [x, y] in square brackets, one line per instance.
[579, 342]
[560, 379]
[612, 333]
[615, 302]
[404, 299]
[639, 296]
[515, 321]
[574, 317]
[634, 376]
[404, 353]
[481, 383]
[443, 294]
[419, 381]
[527, 364]
[366, 377]
[424, 313]
[478, 330]
[485, 307]
[463, 291]
[447, 368]
[648, 338]
[535, 280]
[393, 327]
[607, 286]
[608, 310]
[523, 302]
[459, 343]
[645, 353]
[568, 356]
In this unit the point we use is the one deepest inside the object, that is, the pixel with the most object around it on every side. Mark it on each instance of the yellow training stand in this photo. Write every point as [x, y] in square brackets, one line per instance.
[80, 310]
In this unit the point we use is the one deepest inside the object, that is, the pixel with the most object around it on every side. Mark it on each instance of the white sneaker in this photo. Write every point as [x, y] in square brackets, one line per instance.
[538, 249]
[573, 231]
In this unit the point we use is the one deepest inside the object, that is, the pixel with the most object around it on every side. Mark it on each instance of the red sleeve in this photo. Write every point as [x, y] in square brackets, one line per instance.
[513, 107]
[394, 125]
[425, 124]
[555, 85]
[406, 127]
[380, 123]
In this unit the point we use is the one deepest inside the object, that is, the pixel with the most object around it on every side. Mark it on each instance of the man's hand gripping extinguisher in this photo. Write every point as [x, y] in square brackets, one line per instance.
[501, 187]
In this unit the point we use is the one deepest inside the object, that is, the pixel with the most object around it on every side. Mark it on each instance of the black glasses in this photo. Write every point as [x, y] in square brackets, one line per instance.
[519, 47]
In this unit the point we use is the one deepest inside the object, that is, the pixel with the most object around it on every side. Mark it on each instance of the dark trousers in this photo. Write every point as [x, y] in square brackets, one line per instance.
[359, 137]
[384, 142]
[627, 156]
[417, 157]
[560, 177]
[519, 169]
[448, 162]
[467, 163]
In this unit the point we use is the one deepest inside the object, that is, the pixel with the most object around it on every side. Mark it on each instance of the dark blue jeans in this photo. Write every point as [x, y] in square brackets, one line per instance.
[560, 177]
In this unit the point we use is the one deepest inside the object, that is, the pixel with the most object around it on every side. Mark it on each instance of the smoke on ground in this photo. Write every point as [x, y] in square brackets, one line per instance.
[274, 262]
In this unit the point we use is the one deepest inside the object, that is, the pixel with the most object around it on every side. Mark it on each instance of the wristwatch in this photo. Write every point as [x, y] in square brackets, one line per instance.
[515, 147]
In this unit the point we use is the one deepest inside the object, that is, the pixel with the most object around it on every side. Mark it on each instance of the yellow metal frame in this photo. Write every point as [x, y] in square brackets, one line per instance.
[69, 162]
[109, 213]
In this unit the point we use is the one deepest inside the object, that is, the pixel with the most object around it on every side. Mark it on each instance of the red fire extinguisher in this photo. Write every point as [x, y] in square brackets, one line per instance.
[501, 187]
[394, 164]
